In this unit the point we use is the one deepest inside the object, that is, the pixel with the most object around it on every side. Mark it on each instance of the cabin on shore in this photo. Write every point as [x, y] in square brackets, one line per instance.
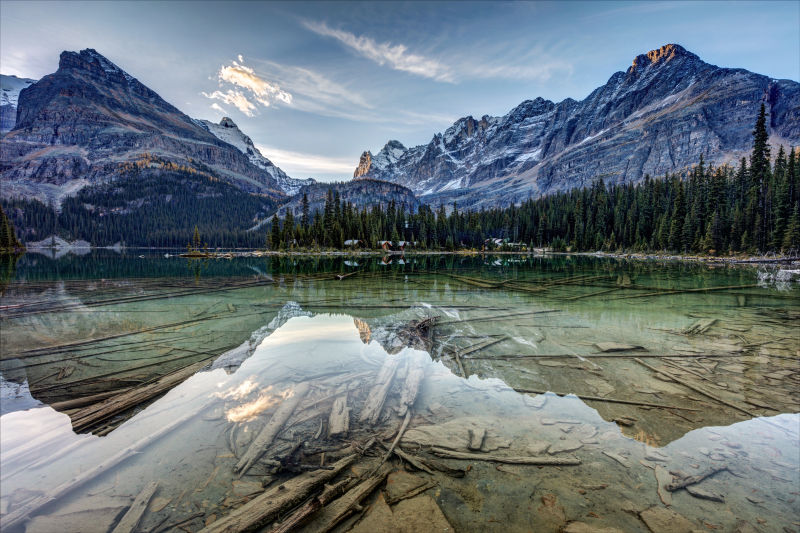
[503, 244]
[353, 243]
[398, 246]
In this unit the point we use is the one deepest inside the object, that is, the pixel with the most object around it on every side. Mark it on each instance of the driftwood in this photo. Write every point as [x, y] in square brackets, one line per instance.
[684, 482]
[340, 509]
[339, 419]
[90, 416]
[701, 326]
[530, 460]
[695, 388]
[598, 293]
[373, 405]
[340, 277]
[270, 431]
[416, 462]
[132, 518]
[681, 291]
[415, 373]
[23, 512]
[266, 506]
[301, 515]
[497, 317]
[610, 400]
[400, 432]
[410, 494]
[86, 400]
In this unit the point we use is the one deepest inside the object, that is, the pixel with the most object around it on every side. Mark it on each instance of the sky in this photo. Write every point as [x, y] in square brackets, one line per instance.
[316, 84]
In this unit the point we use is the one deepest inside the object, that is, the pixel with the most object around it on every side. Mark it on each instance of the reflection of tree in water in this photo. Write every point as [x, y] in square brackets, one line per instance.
[8, 267]
[197, 266]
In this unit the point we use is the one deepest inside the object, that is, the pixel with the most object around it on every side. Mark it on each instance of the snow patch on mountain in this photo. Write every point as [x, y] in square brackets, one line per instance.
[227, 131]
[10, 87]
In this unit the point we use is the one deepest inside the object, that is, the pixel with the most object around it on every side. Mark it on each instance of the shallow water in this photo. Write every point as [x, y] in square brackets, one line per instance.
[653, 372]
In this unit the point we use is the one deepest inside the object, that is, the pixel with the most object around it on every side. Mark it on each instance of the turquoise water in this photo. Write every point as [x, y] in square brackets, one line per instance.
[676, 368]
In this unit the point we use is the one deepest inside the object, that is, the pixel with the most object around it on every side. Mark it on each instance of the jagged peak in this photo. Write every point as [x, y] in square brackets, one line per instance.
[662, 55]
[90, 59]
[228, 122]
[393, 145]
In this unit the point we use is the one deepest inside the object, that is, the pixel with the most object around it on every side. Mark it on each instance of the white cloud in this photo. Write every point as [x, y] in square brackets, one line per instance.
[395, 56]
[234, 98]
[303, 164]
[216, 107]
[248, 89]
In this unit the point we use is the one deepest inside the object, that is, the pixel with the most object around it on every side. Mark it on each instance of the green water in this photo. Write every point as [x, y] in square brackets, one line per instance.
[679, 368]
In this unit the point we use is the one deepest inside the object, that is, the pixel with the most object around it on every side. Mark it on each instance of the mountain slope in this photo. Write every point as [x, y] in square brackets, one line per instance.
[659, 116]
[361, 193]
[10, 87]
[86, 122]
[229, 132]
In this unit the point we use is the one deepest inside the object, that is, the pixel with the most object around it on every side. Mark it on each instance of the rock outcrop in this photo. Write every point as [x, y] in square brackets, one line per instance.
[660, 115]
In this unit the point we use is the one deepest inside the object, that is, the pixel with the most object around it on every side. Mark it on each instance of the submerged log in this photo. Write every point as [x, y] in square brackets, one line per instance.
[270, 431]
[701, 326]
[414, 375]
[684, 482]
[610, 400]
[695, 388]
[340, 509]
[132, 518]
[400, 432]
[377, 395]
[530, 460]
[92, 415]
[265, 507]
[339, 419]
[301, 515]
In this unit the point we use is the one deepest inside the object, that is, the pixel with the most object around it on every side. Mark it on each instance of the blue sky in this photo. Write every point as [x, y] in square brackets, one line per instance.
[315, 84]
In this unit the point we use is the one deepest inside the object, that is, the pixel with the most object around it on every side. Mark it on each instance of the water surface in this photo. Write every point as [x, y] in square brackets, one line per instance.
[629, 367]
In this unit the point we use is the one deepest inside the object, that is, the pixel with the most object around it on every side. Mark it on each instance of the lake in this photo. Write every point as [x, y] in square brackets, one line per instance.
[147, 392]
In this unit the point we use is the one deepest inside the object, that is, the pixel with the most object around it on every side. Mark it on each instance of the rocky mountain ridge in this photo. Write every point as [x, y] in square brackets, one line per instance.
[88, 121]
[660, 115]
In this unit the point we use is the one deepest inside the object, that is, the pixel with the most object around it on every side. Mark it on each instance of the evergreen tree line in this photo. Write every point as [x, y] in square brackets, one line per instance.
[753, 207]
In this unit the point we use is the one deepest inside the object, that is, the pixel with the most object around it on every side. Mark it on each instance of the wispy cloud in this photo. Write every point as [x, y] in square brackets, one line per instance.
[249, 89]
[299, 163]
[490, 61]
[216, 107]
[396, 56]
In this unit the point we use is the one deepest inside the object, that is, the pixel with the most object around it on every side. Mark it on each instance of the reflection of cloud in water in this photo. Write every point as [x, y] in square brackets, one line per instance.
[250, 410]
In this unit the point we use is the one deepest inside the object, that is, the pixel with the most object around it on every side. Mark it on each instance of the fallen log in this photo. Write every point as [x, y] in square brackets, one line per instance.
[701, 326]
[413, 492]
[270, 431]
[92, 415]
[338, 510]
[400, 432]
[695, 388]
[24, 512]
[496, 317]
[301, 515]
[530, 460]
[414, 375]
[684, 482]
[132, 518]
[373, 405]
[681, 291]
[609, 400]
[339, 419]
[265, 507]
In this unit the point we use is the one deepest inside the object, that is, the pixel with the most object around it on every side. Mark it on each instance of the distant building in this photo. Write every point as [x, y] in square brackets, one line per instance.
[353, 242]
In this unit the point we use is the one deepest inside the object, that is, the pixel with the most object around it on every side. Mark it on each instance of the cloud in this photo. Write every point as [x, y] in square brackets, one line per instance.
[299, 163]
[396, 56]
[234, 98]
[216, 107]
[249, 89]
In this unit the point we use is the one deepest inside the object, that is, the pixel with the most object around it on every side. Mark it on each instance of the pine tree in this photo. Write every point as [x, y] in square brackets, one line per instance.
[791, 237]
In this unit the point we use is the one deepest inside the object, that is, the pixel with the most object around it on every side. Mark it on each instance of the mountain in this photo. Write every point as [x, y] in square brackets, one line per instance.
[90, 120]
[361, 193]
[229, 132]
[10, 86]
[660, 115]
